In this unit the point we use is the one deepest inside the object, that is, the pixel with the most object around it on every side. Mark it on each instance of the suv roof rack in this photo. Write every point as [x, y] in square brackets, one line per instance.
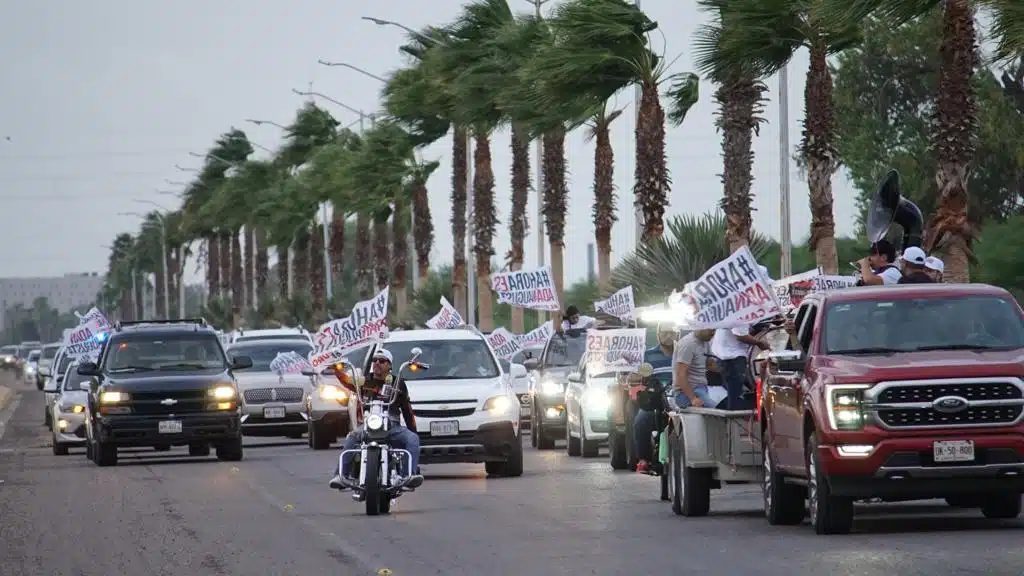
[197, 322]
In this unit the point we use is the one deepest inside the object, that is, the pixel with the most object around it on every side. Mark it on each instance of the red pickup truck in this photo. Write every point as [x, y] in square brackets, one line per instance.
[903, 392]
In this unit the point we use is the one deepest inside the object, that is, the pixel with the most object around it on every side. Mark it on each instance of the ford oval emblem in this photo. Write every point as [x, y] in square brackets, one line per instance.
[950, 404]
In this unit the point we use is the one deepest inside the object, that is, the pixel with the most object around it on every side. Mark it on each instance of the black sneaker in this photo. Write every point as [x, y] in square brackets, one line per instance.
[337, 483]
[413, 482]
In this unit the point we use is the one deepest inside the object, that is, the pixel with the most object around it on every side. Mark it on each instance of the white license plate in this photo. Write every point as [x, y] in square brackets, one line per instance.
[953, 451]
[169, 427]
[446, 428]
[273, 412]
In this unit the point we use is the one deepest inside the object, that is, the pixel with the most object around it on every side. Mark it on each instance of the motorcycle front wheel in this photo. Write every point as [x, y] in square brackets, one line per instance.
[377, 502]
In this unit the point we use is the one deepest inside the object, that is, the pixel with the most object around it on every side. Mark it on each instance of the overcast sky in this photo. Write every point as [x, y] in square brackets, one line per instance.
[101, 99]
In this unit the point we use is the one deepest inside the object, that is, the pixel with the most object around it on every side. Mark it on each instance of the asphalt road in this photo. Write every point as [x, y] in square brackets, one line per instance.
[272, 514]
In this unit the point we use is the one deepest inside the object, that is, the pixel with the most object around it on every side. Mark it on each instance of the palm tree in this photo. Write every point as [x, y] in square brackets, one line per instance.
[604, 190]
[762, 38]
[422, 224]
[118, 283]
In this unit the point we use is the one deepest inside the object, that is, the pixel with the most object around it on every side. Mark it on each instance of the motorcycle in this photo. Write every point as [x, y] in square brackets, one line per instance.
[377, 462]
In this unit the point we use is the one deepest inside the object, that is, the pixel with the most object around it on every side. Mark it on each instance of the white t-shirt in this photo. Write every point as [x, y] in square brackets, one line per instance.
[582, 324]
[725, 346]
[890, 275]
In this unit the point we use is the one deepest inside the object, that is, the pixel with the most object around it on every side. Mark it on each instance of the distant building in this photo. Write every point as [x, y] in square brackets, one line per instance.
[61, 292]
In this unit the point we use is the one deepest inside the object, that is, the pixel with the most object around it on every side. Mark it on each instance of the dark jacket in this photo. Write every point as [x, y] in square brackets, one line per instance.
[400, 409]
[916, 278]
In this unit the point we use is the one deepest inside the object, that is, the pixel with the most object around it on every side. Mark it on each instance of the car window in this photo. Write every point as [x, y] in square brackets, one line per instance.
[9, 350]
[34, 355]
[62, 366]
[448, 359]
[909, 325]
[136, 352]
[49, 352]
[295, 337]
[263, 353]
[564, 350]
[73, 380]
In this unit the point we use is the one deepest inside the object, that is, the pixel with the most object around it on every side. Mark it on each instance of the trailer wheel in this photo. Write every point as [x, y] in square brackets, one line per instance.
[691, 494]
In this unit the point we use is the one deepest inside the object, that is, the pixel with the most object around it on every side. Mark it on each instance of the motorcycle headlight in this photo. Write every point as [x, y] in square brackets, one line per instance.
[552, 388]
[112, 397]
[223, 392]
[596, 399]
[374, 422]
[498, 405]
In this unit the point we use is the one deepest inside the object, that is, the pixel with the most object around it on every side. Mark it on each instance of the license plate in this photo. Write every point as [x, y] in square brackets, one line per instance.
[273, 412]
[169, 427]
[447, 428]
[953, 451]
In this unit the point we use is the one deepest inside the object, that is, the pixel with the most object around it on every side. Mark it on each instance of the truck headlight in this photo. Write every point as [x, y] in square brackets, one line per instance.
[844, 403]
[498, 405]
[223, 392]
[551, 388]
[596, 399]
[113, 397]
[374, 422]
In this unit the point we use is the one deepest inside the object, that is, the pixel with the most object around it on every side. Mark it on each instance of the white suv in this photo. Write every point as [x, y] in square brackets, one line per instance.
[465, 408]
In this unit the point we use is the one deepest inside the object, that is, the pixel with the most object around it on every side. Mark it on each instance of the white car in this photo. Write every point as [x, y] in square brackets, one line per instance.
[52, 386]
[68, 411]
[586, 407]
[270, 334]
[465, 408]
[30, 373]
[272, 404]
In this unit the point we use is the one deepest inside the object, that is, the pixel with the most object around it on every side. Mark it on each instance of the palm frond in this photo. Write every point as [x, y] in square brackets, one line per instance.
[682, 94]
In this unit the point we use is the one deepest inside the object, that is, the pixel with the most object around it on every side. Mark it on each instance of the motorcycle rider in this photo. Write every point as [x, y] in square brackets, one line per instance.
[399, 436]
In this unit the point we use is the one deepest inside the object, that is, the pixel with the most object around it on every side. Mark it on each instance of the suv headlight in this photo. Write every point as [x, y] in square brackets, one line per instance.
[498, 405]
[551, 388]
[113, 397]
[596, 398]
[844, 403]
[223, 392]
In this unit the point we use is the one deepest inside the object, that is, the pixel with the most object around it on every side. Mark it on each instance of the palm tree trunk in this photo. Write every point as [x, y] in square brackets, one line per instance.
[250, 266]
[212, 266]
[460, 143]
[301, 262]
[225, 265]
[604, 201]
[518, 222]
[283, 276]
[175, 278]
[400, 256]
[955, 116]
[318, 275]
[651, 180]
[237, 286]
[158, 292]
[125, 306]
[739, 100]
[140, 301]
[484, 223]
[364, 256]
[422, 229]
[337, 249]
[819, 149]
[556, 197]
[381, 254]
[262, 266]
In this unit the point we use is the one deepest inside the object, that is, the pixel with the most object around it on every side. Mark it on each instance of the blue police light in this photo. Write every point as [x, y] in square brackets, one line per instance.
[101, 336]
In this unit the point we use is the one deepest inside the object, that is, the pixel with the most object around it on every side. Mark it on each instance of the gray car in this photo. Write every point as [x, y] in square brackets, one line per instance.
[272, 404]
[52, 386]
[68, 411]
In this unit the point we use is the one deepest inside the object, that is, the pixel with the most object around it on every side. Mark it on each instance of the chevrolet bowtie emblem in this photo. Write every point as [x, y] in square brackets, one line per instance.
[273, 393]
[168, 401]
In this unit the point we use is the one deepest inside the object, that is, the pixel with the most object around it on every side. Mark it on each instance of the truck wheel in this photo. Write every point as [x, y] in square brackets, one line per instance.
[1002, 506]
[104, 454]
[572, 445]
[48, 419]
[511, 467]
[588, 448]
[692, 491]
[829, 514]
[319, 437]
[617, 449]
[230, 451]
[783, 503]
[198, 450]
[543, 442]
[668, 486]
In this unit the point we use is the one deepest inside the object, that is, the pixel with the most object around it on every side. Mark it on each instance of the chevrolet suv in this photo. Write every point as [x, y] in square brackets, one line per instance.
[896, 392]
[161, 384]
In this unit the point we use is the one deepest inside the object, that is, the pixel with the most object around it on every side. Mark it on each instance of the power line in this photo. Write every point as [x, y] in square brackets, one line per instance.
[89, 155]
[82, 177]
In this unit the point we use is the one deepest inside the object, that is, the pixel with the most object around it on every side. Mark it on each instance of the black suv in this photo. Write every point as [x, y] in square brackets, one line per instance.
[163, 384]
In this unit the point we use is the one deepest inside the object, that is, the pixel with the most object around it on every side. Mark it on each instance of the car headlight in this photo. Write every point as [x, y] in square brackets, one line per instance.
[596, 399]
[552, 388]
[374, 422]
[223, 392]
[30, 369]
[498, 405]
[112, 397]
[331, 392]
[73, 408]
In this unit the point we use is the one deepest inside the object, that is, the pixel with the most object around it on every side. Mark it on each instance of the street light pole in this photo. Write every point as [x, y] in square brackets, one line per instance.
[786, 265]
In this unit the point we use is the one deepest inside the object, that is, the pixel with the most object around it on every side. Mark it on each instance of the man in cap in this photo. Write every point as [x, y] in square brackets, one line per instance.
[573, 320]
[934, 267]
[399, 436]
[879, 267]
[914, 271]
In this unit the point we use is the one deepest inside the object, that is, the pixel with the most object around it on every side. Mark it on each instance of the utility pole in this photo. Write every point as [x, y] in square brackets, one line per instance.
[539, 145]
[786, 252]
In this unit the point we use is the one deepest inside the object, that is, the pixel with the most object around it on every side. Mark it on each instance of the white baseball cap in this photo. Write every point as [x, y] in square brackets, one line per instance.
[914, 255]
[382, 354]
[933, 263]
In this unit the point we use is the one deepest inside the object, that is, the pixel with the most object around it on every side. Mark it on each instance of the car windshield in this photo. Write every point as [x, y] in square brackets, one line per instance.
[73, 381]
[921, 324]
[284, 337]
[33, 356]
[9, 350]
[565, 350]
[448, 359]
[263, 353]
[50, 352]
[526, 353]
[148, 352]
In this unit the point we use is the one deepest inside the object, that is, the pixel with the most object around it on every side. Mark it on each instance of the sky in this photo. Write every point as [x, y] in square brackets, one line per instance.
[103, 100]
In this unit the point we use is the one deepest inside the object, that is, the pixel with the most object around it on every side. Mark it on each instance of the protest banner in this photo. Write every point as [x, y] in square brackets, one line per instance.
[620, 304]
[537, 337]
[621, 349]
[85, 339]
[504, 343]
[290, 362]
[448, 317]
[368, 322]
[533, 289]
[827, 283]
[791, 290]
[731, 293]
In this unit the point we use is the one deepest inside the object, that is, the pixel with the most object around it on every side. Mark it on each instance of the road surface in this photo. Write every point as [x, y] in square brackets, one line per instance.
[273, 514]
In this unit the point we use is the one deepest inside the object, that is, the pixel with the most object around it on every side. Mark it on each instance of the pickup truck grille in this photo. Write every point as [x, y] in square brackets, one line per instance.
[970, 391]
[913, 417]
[912, 404]
[184, 402]
[267, 395]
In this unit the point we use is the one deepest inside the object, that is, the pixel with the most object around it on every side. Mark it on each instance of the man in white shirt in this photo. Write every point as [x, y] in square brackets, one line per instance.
[574, 321]
[731, 346]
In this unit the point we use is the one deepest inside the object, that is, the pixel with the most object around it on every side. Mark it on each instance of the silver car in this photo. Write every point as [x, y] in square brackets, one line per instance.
[68, 411]
[272, 404]
[52, 386]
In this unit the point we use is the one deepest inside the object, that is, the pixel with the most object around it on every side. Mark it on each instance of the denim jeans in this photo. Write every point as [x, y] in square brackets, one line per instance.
[734, 378]
[398, 436]
[643, 422]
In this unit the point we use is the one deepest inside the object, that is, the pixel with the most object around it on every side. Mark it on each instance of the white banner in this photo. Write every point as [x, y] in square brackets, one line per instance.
[82, 340]
[791, 290]
[367, 323]
[533, 289]
[448, 317]
[620, 304]
[504, 343]
[827, 283]
[537, 337]
[614, 350]
[290, 362]
[732, 293]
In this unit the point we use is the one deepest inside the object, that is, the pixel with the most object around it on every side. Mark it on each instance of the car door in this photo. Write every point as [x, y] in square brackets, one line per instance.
[788, 416]
[574, 394]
